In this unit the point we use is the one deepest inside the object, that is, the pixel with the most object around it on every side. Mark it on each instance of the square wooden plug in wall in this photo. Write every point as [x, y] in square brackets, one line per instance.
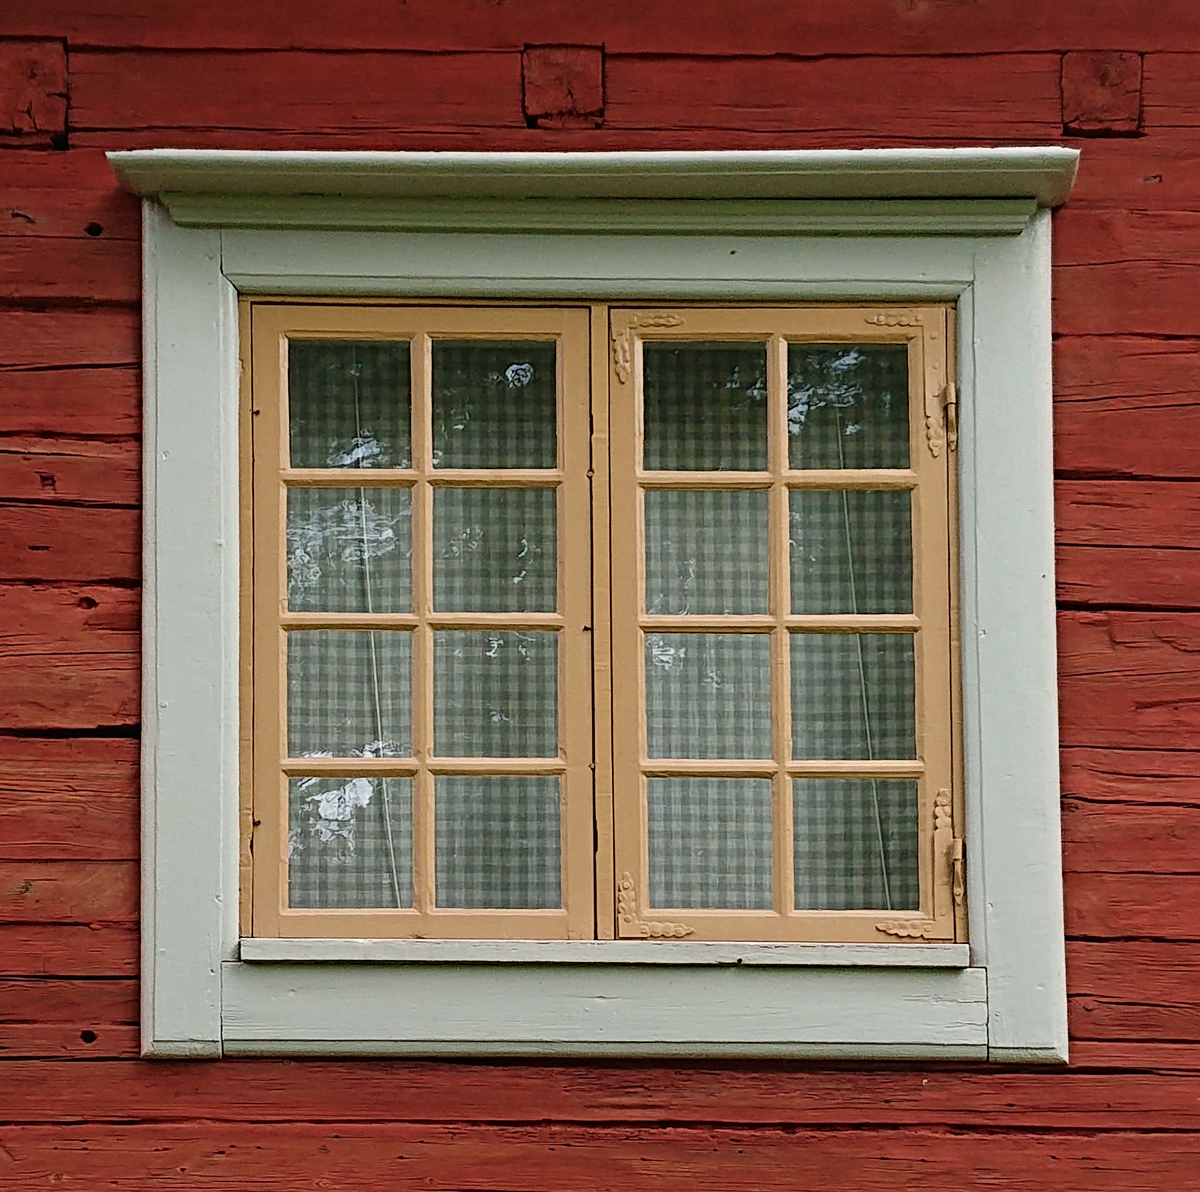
[563, 86]
[33, 93]
[1101, 93]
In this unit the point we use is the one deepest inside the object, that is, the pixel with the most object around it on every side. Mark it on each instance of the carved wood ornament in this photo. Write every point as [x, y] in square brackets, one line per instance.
[949, 890]
[622, 341]
[632, 924]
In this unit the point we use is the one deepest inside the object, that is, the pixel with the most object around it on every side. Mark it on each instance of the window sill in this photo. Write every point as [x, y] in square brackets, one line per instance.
[608, 952]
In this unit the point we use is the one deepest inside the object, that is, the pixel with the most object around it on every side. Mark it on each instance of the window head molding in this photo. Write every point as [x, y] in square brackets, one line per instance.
[772, 192]
[202, 999]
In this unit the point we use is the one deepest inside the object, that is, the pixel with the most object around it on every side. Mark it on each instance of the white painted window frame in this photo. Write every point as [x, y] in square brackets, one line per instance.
[899, 225]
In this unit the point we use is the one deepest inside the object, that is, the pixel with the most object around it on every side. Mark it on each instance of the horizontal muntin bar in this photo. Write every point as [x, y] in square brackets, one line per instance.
[676, 767]
[763, 623]
[405, 767]
[822, 478]
[484, 621]
[408, 477]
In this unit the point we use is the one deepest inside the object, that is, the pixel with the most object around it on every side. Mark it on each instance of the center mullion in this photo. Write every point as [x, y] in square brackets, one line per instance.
[423, 809]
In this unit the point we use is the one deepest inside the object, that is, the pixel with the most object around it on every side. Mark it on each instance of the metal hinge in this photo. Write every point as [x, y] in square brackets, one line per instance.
[950, 409]
[958, 877]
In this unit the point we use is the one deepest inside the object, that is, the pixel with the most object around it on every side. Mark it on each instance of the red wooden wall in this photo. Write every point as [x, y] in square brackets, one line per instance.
[1121, 78]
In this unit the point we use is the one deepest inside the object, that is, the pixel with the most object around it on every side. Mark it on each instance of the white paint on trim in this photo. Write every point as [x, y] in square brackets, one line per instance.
[455, 1009]
[1043, 173]
[591, 952]
[1011, 1003]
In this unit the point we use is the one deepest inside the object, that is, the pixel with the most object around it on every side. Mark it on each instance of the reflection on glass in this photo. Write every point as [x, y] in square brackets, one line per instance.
[708, 695]
[349, 550]
[848, 405]
[349, 693]
[853, 696]
[494, 404]
[856, 844]
[851, 552]
[706, 551]
[495, 693]
[495, 549]
[348, 403]
[498, 842]
[710, 842]
[705, 406]
[349, 842]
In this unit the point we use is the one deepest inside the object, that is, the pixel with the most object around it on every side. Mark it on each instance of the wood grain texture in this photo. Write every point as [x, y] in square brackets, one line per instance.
[68, 799]
[44, 1041]
[962, 98]
[1154, 171]
[1101, 92]
[82, 1002]
[70, 544]
[68, 949]
[1145, 991]
[71, 471]
[1127, 406]
[1132, 906]
[68, 891]
[1129, 680]
[294, 92]
[1121, 838]
[45, 338]
[1171, 90]
[45, 405]
[335, 1092]
[61, 269]
[548, 1157]
[70, 195]
[878, 27]
[1135, 776]
[33, 91]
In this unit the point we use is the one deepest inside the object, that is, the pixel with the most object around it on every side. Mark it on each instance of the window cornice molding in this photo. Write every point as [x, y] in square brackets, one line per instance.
[782, 192]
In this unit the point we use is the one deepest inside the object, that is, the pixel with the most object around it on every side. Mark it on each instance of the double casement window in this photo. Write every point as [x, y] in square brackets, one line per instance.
[600, 621]
[600, 604]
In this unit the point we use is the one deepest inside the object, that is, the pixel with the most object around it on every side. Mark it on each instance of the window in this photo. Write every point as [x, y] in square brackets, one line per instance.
[752, 251]
[737, 725]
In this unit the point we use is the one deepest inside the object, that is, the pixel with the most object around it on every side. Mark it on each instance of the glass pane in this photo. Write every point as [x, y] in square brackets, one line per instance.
[349, 550]
[853, 696]
[495, 693]
[708, 694]
[348, 404]
[494, 405]
[498, 842]
[848, 405]
[349, 693]
[710, 842]
[706, 551]
[349, 842]
[856, 844]
[495, 550]
[851, 552]
[705, 406]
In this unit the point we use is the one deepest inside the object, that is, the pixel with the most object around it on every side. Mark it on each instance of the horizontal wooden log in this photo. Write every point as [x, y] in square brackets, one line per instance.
[1134, 991]
[1138, 298]
[1171, 91]
[1105, 577]
[101, 336]
[71, 471]
[1130, 838]
[333, 1092]
[669, 1159]
[70, 195]
[83, 269]
[294, 92]
[33, 91]
[1144, 1057]
[68, 799]
[84, 1003]
[68, 950]
[627, 26]
[1131, 775]
[1014, 95]
[1086, 236]
[1159, 170]
[43, 1041]
[1129, 680]
[70, 544]
[1132, 906]
[68, 891]
[42, 403]
[1127, 406]
[69, 655]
